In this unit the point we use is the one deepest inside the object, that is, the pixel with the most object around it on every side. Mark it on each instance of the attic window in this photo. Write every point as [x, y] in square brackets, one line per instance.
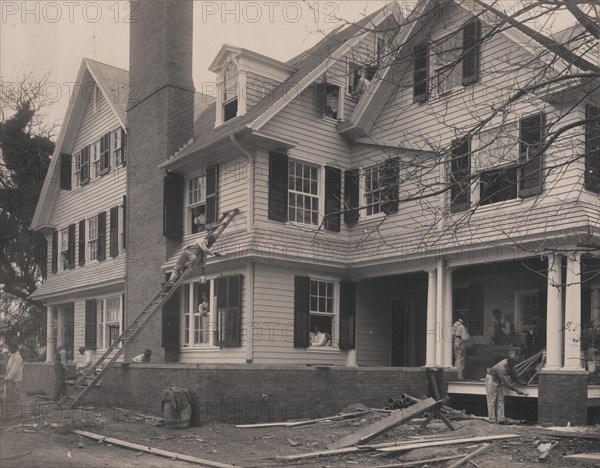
[230, 92]
[332, 102]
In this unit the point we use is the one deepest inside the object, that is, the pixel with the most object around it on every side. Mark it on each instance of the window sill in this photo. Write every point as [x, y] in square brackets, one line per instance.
[331, 120]
[306, 226]
[497, 205]
[325, 349]
[366, 219]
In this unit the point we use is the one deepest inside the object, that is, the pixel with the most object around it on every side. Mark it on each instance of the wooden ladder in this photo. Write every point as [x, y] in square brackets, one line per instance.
[91, 377]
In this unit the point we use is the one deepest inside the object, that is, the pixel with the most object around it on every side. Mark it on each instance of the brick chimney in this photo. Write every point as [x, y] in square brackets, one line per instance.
[160, 117]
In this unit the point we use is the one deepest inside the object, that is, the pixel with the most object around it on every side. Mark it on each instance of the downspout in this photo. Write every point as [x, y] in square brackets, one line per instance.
[248, 333]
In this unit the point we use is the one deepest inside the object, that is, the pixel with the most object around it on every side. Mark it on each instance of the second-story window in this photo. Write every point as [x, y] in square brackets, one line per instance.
[196, 204]
[105, 153]
[93, 238]
[95, 150]
[447, 52]
[373, 189]
[230, 92]
[303, 198]
[117, 155]
[64, 248]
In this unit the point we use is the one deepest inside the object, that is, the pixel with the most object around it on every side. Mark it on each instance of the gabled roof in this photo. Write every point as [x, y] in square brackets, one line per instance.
[310, 65]
[114, 83]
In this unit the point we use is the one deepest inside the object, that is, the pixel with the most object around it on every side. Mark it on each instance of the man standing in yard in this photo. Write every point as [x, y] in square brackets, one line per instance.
[460, 335]
[190, 253]
[60, 369]
[14, 374]
[501, 375]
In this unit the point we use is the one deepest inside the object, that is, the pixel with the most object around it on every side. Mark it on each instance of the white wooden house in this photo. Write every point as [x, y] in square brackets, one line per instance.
[342, 221]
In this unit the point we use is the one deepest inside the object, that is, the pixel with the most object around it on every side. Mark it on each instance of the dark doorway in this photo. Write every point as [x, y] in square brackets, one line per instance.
[407, 335]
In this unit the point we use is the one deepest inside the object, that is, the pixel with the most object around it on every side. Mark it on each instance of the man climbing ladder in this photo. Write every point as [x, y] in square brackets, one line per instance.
[195, 253]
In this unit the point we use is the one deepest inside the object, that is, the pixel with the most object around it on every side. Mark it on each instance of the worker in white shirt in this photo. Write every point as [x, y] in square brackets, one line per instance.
[199, 250]
[460, 335]
[317, 337]
[144, 357]
[87, 359]
[14, 374]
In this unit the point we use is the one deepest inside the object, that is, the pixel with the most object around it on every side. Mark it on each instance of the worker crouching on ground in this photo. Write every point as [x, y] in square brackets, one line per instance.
[198, 251]
[144, 357]
[501, 375]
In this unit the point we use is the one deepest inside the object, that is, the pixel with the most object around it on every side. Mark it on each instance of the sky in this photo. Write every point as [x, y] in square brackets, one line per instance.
[45, 36]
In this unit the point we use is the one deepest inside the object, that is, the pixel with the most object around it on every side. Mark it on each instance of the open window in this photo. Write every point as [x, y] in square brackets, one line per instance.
[322, 313]
[332, 104]
[230, 92]
[109, 319]
[196, 204]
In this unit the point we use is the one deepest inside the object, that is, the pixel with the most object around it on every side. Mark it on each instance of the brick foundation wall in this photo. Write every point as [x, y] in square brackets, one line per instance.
[562, 398]
[234, 393]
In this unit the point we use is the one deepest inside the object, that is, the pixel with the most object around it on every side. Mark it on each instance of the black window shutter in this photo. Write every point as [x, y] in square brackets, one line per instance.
[347, 315]
[333, 198]
[592, 148]
[82, 242]
[85, 165]
[476, 306]
[212, 182]
[170, 322]
[460, 172]
[105, 153]
[124, 239]
[90, 324]
[421, 73]
[66, 165]
[471, 52]
[123, 147]
[351, 180]
[101, 251]
[278, 186]
[71, 248]
[229, 301]
[531, 135]
[54, 251]
[391, 172]
[174, 186]
[301, 311]
[114, 231]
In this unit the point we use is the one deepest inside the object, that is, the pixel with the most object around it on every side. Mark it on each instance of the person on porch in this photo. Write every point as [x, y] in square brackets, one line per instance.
[14, 374]
[502, 329]
[501, 375]
[198, 250]
[460, 335]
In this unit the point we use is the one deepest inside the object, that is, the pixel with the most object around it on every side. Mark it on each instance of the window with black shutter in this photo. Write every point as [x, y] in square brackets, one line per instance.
[71, 247]
[54, 251]
[101, 252]
[471, 53]
[81, 244]
[212, 178]
[592, 148]
[333, 198]
[301, 311]
[460, 174]
[105, 154]
[173, 186]
[278, 186]
[91, 328]
[114, 231]
[229, 311]
[351, 195]
[347, 315]
[531, 136]
[124, 234]
[66, 163]
[421, 72]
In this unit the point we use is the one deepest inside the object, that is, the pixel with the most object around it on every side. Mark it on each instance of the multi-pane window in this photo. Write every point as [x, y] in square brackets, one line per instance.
[196, 315]
[374, 188]
[196, 203]
[447, 53]
[460, 302]
[230, 92]
[529, 307]
[322, 312]
[303, 199]
[109, 316]
[105, 153]
[95, 149]
[64, 247]
[92, 238]
[117, 147]
[82, 166]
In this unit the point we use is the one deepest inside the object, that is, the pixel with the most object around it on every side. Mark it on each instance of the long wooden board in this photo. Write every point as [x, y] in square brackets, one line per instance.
[380, 427]
[437, 443]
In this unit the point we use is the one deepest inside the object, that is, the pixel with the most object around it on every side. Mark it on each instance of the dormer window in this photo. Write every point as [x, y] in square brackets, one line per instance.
[332, 102]
[230, 92]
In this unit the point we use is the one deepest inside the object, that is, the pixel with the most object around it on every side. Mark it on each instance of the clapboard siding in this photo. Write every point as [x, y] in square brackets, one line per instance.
[274, 313]
[257, 88]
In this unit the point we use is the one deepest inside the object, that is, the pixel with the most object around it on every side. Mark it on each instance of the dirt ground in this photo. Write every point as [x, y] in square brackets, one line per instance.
[37, 435]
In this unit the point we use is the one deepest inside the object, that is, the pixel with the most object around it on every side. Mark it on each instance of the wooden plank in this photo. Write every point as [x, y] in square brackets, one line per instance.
[421, 462]
[303, 423]
[380, 427]
[575, 435]
[153, 451]
[592, 457]
[438, 443]
[469, 456]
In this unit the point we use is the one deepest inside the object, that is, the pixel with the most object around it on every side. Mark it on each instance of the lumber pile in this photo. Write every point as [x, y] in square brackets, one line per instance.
[529, 369]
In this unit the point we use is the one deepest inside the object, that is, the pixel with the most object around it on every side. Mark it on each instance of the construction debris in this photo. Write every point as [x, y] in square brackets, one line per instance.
[381, 427]
[593, 457]
[404, 401]
[306, 422]
[545, 450]
[469, 456]
[153, 451]
[438, 443]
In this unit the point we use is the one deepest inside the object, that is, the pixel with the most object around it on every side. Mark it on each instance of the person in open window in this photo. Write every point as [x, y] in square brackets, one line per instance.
[318, 337]
[203, 310]
[362, 86]
[332, 102]
[197, 252]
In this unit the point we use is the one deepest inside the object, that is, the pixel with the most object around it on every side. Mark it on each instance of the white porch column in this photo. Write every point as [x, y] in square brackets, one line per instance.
[431, 319]
[595, 302]
[439, 318]
[50, 333]
[447, 323]
[60, 327]
[554, 323]
[573, 313]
